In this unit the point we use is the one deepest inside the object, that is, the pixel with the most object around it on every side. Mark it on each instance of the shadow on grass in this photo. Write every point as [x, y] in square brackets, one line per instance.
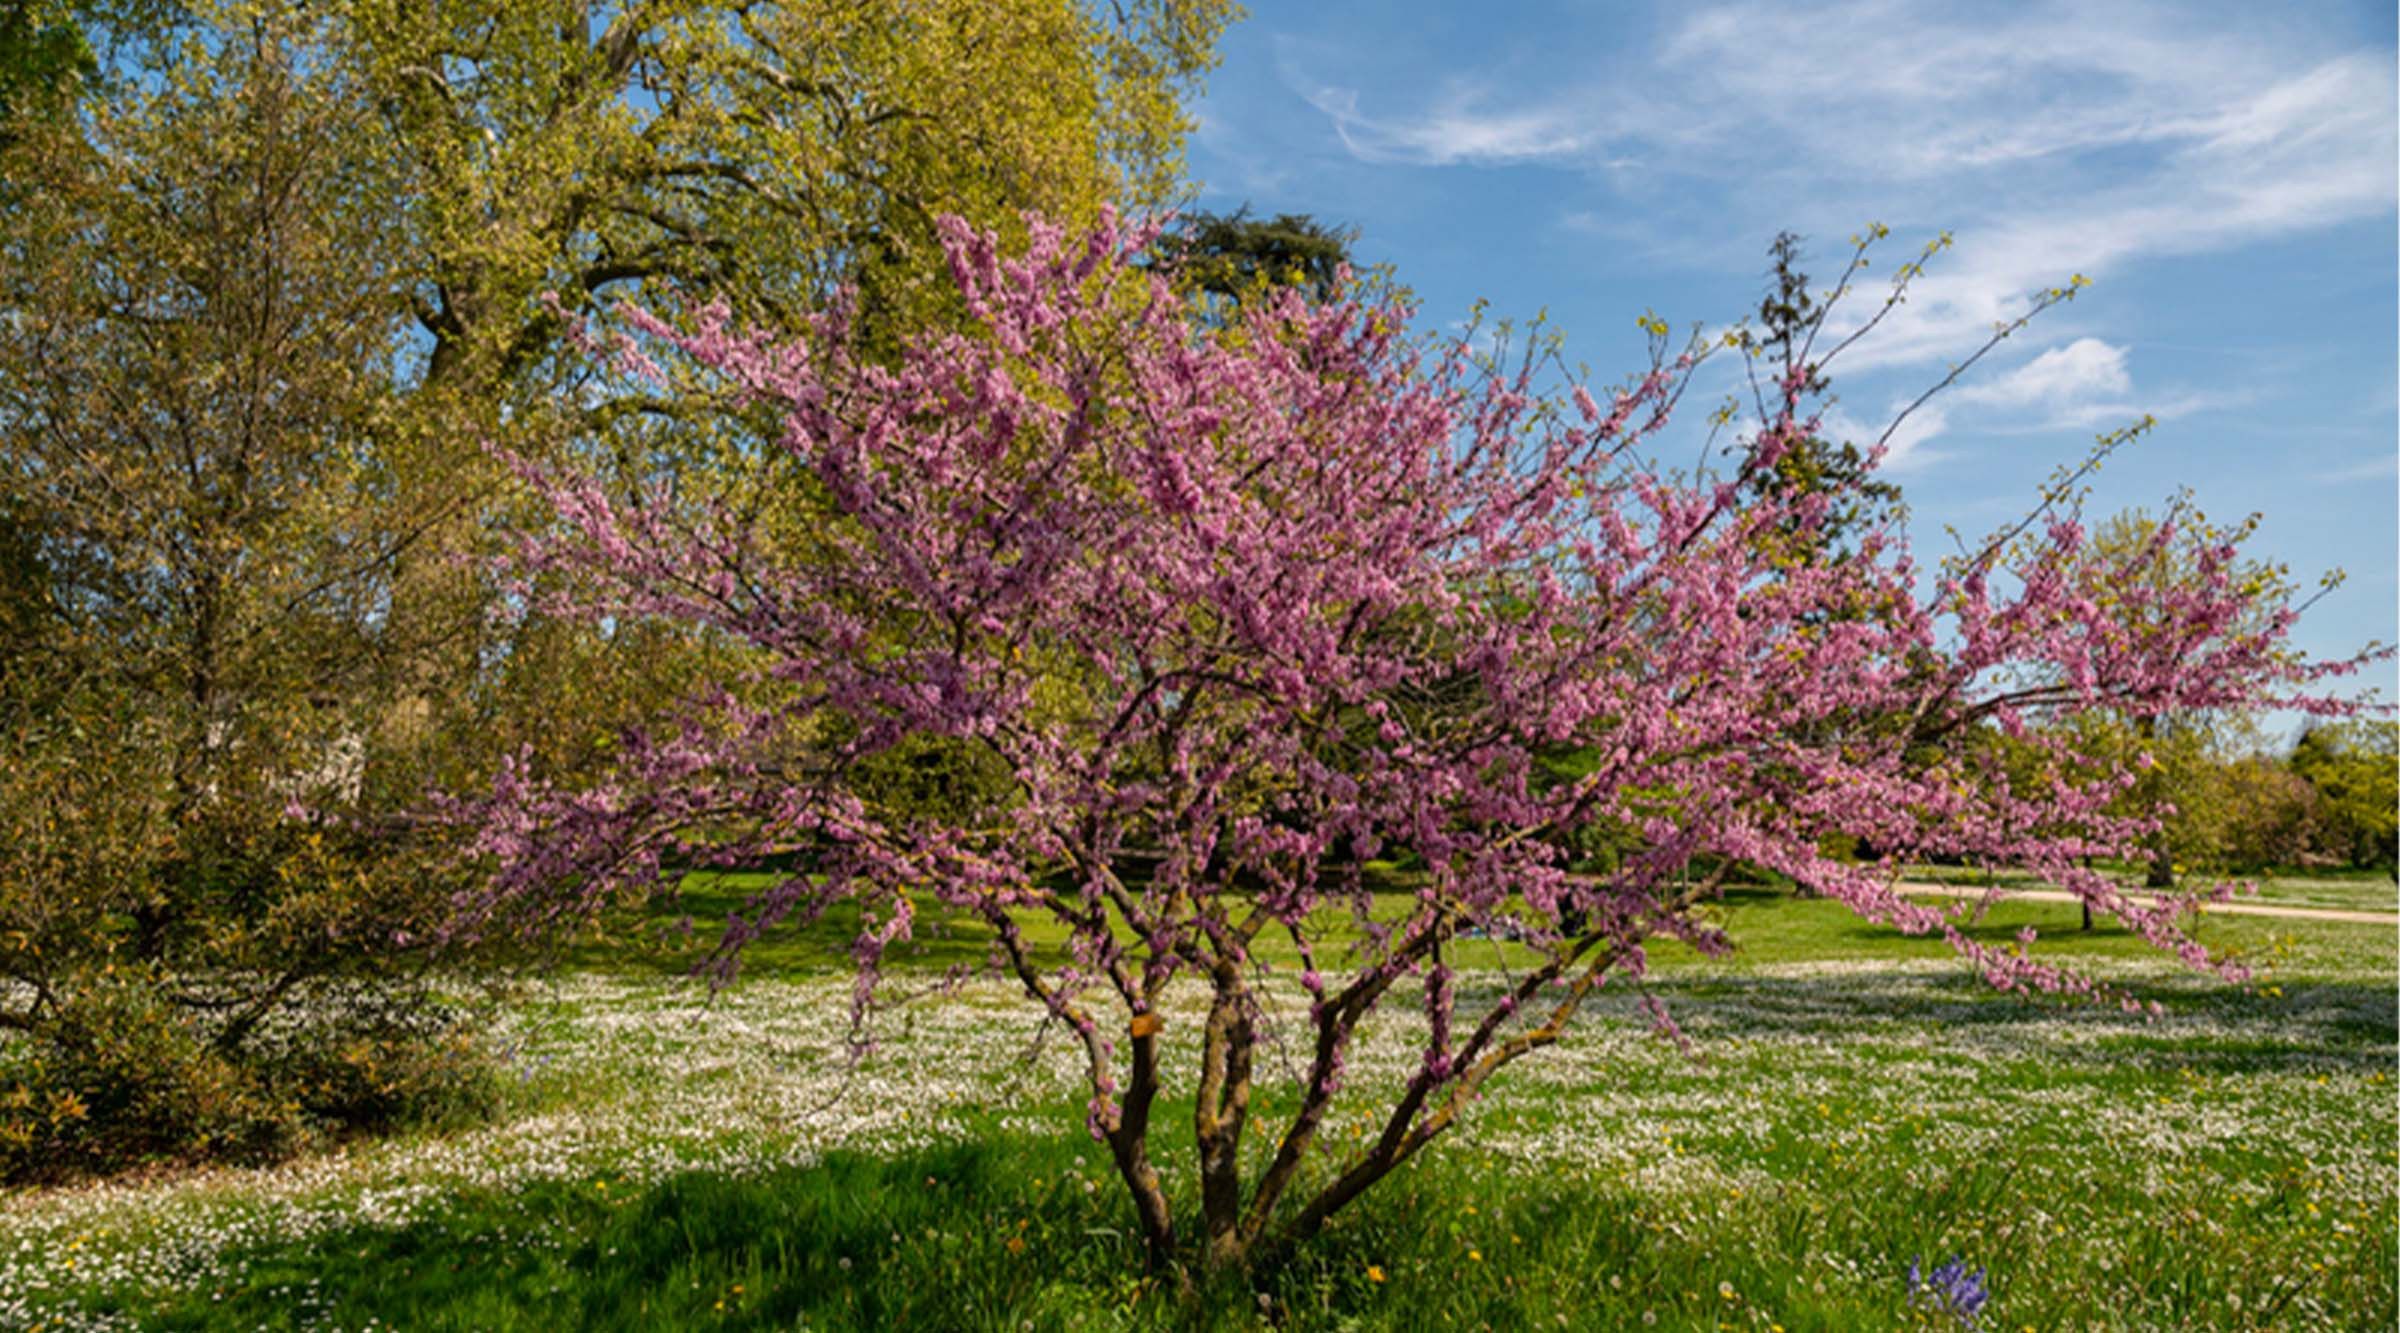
[2206, 1026]
[995, 1235]
[944, 1238]
[669, 936]
[1001, 1234]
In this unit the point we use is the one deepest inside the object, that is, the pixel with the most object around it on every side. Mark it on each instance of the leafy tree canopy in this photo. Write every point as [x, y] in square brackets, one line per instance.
[1233, 257]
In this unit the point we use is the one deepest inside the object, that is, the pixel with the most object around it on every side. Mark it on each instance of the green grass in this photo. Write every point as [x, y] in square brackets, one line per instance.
[979, 1236]
[1770, 925]
[2363, 892]
[2346, 890]
[1857, 1102]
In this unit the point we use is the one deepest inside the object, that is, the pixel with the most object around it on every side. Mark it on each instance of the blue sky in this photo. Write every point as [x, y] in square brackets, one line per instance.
[2226, 175]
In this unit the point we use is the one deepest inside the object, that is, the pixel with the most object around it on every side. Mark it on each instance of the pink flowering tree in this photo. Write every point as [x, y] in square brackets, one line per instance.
[1226, 614]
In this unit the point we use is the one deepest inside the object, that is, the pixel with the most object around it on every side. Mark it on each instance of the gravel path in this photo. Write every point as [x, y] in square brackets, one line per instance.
[2212, 909]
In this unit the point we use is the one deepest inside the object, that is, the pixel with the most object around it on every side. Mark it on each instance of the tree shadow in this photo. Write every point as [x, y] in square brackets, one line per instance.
[1001, 1234]
[2203, 1025]
[974, 1235]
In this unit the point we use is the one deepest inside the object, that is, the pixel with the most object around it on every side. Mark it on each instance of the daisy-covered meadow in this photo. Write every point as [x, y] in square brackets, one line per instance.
[668, 1158]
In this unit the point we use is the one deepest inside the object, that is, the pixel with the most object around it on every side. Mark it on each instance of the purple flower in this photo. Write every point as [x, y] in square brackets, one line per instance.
[1950, 1289]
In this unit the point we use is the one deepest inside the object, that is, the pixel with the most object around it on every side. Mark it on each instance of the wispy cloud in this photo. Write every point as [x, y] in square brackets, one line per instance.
[1905, 451]
[2075, 373]
[2052, 139]
[1461, 128]
[1466, 127]
[2378, 468]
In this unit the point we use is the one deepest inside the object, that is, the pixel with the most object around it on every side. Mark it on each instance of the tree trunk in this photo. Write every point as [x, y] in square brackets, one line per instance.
[1129, 1144]
[1219, 1114]
[2162, 866]
[2162, 858]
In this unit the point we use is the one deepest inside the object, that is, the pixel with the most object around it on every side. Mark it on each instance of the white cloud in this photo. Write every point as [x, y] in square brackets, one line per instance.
[2059, 379]
[1461, 128]
[2288, 157]
[2377, 468]
[2052, 138]
[2116, 413]
[1905, 451]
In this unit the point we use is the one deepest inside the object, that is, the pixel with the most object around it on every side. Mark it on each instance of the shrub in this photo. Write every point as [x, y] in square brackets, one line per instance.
[124, 1076]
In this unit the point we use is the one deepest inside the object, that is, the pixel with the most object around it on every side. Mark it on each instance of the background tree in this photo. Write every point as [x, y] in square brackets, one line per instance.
[1225, 259]
[2266, 817]
[209, 620]
[1232, 612]
[2354, 767]
[2134, 559]
[270, 286]
[1791, 319]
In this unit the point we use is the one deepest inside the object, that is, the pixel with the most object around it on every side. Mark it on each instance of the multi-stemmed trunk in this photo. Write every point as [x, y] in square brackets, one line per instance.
[1240, 1226]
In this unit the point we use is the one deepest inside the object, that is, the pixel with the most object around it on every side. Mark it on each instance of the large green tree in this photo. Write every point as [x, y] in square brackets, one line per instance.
[1226, 259]
[2355, 768]
[271, 287]
[759, 153]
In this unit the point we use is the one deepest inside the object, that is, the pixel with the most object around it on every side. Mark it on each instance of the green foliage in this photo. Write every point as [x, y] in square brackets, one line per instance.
[1789, 317]
[1227, 258]
[120, 1077]
[43, 59]
[2248, 814]
[2355, 769]
[128, 1073]
[2241, 810]
[270, 287]
[221, 985]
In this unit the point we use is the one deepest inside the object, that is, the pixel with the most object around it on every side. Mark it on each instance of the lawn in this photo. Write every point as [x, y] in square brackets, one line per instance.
[2345, 890]
[1852, 1102]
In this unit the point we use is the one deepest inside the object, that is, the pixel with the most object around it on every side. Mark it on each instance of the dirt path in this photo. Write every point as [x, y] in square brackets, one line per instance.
[2212, 909]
